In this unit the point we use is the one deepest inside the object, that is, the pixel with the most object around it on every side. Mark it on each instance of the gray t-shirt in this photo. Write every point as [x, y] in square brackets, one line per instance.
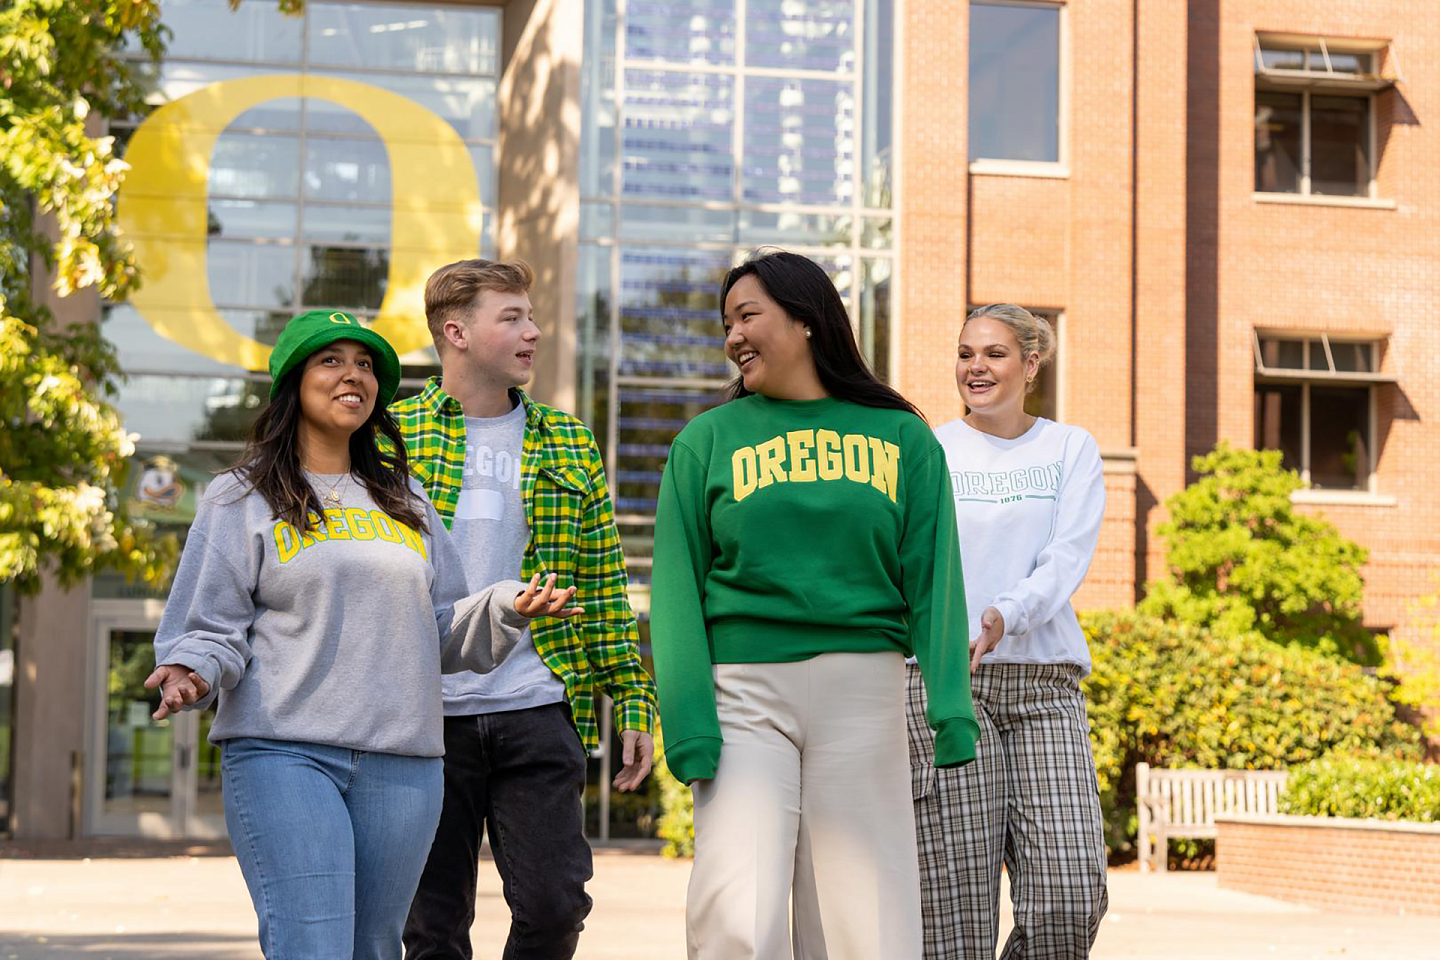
[338, 635]
[491, 533]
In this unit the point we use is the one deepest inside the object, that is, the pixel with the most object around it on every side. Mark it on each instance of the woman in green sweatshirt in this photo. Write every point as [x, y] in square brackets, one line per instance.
[804, 546]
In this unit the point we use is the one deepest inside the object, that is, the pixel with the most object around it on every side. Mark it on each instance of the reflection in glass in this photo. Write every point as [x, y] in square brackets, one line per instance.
[1283, 354]
[252, 219]
[644, 222]
[875, 325]
[349, 277]
[799, 141]
[1282, 59]
[1351, 357]
[877, 233]
[691, 31]
[1318, 360]
[250, 165]
[175, 407]
[1277, 420]
[210, 29]
[406, 37]
[650, 417]
[816, 35]
[1339, 438]
[1278, 124]
[670, 313]
[138, 760]
[759, 227]
[1044, 400]
[596, 220]
[877, 115]
[251, 274]
[346, 223]
[468, 104]
[593, 299]
[1340, 146]
[347, 169]
[677, 136]
[1014, 82]
[272, 116]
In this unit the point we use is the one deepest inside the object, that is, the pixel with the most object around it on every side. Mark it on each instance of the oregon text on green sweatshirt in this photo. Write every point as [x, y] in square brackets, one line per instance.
[787, 529]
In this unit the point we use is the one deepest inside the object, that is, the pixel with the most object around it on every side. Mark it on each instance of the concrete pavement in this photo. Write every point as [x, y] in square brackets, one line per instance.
[188, 907]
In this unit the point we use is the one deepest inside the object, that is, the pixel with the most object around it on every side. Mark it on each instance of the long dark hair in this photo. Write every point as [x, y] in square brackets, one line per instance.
[270, 463]
[803, 290]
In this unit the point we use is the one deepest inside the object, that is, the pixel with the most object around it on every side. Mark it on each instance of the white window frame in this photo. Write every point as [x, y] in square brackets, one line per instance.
[1306, 377]
[1058, 169]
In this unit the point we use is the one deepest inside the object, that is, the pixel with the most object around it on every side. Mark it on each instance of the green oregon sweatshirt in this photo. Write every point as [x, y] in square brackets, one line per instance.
[788, 529]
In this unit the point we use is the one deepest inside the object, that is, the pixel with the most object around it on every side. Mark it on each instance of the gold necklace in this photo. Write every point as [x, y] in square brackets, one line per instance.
[334, 495]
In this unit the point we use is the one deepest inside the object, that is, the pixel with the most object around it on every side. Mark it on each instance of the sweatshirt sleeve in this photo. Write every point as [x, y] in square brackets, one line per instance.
[678, 637]
[935, 594]
[1060, 567]
[207, 619]
[477, 630]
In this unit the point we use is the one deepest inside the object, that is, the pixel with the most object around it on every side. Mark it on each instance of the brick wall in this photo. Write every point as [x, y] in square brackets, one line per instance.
[1151, 242]
[1342, 864]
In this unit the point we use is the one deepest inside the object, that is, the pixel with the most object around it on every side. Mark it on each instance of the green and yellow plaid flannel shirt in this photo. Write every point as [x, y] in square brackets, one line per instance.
[572, 534]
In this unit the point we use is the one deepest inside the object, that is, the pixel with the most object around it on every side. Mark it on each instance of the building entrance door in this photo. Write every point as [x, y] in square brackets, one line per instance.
[143, 778]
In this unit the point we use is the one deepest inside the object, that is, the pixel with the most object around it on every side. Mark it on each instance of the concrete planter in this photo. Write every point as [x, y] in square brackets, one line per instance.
[1333, 862]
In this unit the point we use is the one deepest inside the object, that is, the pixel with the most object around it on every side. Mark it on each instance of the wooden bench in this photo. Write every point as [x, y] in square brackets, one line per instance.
[1183, 803]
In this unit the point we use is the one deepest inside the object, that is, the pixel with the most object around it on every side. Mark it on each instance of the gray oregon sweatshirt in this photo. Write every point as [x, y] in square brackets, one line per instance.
[335, 636]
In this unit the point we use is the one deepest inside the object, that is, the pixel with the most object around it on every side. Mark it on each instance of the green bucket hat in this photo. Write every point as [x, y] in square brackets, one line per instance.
[305, 334]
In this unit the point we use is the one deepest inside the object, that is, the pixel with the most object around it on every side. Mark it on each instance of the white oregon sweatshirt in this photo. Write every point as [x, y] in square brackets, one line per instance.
[1028, 512]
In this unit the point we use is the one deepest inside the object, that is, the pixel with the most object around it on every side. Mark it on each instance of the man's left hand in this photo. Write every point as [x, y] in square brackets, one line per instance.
[638, 755]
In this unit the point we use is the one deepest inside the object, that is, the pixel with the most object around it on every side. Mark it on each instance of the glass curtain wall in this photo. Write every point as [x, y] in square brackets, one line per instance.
[300, 196]
[712, 127]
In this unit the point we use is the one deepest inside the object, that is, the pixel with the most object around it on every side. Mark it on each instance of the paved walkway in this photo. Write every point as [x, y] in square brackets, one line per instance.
[185, 907]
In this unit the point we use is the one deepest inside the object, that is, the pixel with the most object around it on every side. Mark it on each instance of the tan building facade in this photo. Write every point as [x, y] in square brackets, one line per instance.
[1227, 208]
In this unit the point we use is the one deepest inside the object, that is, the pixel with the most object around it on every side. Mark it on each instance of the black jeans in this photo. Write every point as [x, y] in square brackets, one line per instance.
[518, 774]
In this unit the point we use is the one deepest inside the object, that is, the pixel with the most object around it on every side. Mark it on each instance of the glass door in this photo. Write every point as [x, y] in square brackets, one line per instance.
[144, 777]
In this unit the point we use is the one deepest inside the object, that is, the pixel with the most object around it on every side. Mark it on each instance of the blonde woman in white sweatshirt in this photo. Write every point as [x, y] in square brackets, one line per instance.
[1029, 498]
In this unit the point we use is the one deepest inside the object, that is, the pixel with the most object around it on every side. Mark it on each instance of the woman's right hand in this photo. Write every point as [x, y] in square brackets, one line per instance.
[536, 601]
[180, 687]
[992, 628]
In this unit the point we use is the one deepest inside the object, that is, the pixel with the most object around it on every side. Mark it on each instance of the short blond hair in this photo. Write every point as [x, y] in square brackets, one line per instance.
[454, 289]
[1034, 334]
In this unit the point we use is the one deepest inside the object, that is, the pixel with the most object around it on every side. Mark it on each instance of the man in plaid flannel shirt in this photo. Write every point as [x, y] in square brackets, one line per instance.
[522, 488]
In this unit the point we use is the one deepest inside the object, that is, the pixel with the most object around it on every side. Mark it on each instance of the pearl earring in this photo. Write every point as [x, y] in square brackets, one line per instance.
[807, 333]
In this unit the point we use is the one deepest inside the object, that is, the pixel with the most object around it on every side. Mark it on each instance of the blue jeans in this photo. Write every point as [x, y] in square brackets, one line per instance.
[331, 842]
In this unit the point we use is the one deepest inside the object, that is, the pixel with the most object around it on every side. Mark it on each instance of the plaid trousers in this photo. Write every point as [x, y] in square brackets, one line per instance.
[1030, 800]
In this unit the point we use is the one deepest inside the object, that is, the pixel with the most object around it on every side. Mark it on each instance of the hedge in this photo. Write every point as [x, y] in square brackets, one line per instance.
[1371, 789]
[1176, 696]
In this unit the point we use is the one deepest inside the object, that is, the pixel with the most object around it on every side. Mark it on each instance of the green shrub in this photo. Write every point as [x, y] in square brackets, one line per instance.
[1242, 561]
[677, 813]
[1378, 789]
[1173, 695]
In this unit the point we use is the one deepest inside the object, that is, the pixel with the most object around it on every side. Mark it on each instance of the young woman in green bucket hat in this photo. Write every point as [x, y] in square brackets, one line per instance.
[320, 598]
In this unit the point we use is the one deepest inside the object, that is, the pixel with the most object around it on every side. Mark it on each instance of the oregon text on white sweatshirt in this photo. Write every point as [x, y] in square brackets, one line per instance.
[1028, 511]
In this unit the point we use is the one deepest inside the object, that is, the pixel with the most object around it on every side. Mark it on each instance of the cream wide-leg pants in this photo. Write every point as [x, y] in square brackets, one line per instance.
[806, 835]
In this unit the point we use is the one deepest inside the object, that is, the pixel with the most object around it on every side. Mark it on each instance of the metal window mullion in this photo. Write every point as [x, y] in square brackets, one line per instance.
[1305, 142]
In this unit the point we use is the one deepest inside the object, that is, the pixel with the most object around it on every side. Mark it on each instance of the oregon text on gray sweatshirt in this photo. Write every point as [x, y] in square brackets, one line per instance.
[335, 636]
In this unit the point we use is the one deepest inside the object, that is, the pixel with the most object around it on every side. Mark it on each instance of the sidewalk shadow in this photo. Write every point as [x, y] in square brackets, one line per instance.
[129, 946]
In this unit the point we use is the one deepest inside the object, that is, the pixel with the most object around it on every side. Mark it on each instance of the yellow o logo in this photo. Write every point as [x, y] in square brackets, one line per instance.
[340, 318]
[435, 201]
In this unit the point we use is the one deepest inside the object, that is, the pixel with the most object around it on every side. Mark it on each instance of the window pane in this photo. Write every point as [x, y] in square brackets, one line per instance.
[642, 222]
[875, 313]
[597, 112]
[1282, 59]
[347, 170]
[1340, 146]
[799, 141]
[251, 274]
[177, 407]
[792, 227]
[252, 219]
[1351, 357]
[1277, 142]
[248, 165]
[687, 32]
[256, 30]
[468, 104]
[1044, 400]
[1283, 354]
[677, 136]
[596, 220]
[816, 35]
[877, 234]
[345, 277]
[649, 419]
[670, 314]
[1014, 82]
[1277, 420]
[1317, 356]
[594, 297]
[1350, 62]
[1339, 438]
[426, 39]
[347, 223]
[876, 113]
